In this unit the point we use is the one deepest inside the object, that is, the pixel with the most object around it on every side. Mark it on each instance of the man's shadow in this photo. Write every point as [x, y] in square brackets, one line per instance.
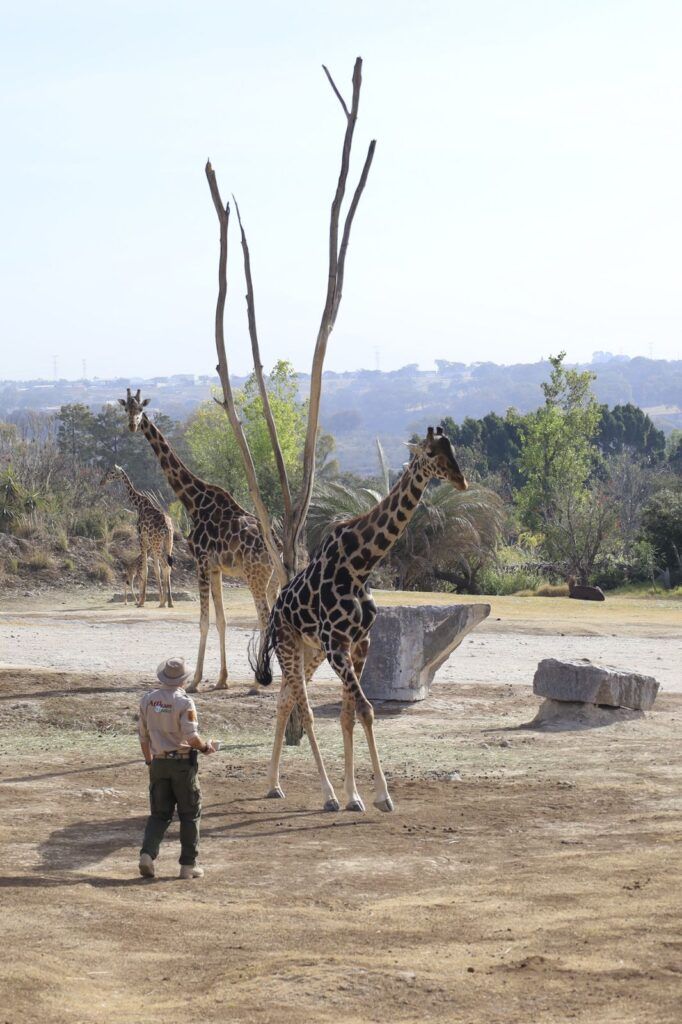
[79, 846]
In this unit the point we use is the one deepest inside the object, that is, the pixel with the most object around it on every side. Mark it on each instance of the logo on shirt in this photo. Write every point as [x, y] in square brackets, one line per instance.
[159, 707]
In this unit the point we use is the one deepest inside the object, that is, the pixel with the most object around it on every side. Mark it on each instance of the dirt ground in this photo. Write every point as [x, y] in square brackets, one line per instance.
[527, 876]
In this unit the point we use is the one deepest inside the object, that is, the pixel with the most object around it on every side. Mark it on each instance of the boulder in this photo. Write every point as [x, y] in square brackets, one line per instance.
[409, 644]
[582, 681]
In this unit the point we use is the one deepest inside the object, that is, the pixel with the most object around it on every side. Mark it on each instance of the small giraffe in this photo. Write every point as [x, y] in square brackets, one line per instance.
[131, 572]
[155, 534]
[224, 538]
[327, 611]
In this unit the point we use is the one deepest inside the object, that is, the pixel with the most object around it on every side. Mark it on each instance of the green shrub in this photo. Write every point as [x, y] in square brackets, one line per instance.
[494, 581]
[91, 523]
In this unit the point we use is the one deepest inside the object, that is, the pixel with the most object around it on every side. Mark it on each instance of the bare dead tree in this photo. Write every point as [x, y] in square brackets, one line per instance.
[287, 562]
[294, 512]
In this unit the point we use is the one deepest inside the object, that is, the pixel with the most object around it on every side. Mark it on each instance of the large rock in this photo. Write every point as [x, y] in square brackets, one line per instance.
[410, 644]
[580, 680]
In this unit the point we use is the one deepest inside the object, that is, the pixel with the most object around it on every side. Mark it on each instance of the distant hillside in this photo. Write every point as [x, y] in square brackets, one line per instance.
[361, 405]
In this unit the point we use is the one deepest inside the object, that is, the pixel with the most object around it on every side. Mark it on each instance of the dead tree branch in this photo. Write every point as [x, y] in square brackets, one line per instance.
[337, 262]
[258, 370]
[228, 398]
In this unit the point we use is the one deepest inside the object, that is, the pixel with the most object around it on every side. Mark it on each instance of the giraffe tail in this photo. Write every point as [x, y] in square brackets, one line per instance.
[260, 653]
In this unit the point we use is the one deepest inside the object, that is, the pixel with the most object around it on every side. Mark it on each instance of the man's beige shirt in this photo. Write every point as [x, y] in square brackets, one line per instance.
[168, 718]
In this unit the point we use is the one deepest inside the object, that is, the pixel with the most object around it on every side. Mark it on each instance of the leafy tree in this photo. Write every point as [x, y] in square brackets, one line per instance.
[558, 451]
[75, 433]
[490, 445]
[558, 459]
[214, 449]
[662, 526]
[674, 452]
[627, 428]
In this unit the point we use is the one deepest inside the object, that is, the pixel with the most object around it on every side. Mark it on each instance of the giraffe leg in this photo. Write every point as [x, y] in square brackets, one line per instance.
[353, 799]
[294, 664]
[167, 575]
[157, 566]
[342, 663]
[307, 721]
[285, 702]
[259, 594]
[217, 592]
[143, 580]
[203, 629]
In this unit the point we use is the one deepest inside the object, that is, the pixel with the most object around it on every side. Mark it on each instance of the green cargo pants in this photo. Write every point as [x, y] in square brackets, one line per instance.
[173, 783]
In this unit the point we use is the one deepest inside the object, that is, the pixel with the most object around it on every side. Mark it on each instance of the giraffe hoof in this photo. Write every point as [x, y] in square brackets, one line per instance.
[332, 805]
[384, 805]
[221, 686]
[276, 793]
[355, 805]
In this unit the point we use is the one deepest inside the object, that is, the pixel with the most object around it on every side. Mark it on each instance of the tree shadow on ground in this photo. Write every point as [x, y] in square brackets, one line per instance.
[69, 771]
[72, 691]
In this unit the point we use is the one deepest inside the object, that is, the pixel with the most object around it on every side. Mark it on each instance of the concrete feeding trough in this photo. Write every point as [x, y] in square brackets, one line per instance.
[409, 644]
[580, 694]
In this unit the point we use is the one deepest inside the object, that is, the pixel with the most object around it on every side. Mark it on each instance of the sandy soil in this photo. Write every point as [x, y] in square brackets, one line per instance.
[525, 876]
[81, 633]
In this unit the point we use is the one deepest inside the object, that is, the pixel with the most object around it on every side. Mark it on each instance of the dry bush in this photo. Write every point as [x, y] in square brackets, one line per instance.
[60, 540]
[545, 590]
[101, 572]
[39, 561]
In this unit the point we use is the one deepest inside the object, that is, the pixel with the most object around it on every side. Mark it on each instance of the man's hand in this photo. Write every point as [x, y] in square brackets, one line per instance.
[209, 748]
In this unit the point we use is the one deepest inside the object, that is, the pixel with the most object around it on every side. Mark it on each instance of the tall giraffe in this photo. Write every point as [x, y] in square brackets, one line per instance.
[224, 538]
[155, 534]
[327, 611]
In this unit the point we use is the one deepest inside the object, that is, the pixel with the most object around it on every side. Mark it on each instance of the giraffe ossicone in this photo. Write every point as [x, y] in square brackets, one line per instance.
[327, 611]
[224, 539]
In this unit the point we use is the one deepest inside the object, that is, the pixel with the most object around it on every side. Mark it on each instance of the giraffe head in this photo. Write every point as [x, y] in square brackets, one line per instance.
[134, 407]
[437, 458]
[112, 473]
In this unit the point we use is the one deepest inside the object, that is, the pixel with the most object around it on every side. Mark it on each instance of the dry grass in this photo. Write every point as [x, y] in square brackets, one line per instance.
[545, 590]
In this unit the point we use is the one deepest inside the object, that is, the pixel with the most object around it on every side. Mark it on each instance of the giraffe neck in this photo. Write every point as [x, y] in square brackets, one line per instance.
[188, 487]
[176, 472]
[137, 499]
[380, 528]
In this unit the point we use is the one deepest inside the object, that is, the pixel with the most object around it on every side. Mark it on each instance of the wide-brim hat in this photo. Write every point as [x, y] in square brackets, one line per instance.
[173, 672]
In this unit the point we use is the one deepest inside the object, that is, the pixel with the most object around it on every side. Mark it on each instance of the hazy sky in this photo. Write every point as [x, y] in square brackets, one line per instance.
[525, 194]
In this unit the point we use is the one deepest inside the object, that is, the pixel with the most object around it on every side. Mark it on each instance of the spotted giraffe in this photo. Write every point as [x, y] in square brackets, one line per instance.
[155, 534]
[131, 572]
[327, 611]
[224, 539]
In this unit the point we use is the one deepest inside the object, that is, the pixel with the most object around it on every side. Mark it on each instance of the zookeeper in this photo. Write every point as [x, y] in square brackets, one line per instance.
[170, 740]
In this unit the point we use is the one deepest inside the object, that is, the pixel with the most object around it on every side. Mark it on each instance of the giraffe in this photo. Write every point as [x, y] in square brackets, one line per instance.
[155, 534]
[327, 611]
[131, 572]
[224, 538]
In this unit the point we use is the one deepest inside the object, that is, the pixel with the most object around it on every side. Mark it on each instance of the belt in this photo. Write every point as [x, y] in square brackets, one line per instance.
[174, 755]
